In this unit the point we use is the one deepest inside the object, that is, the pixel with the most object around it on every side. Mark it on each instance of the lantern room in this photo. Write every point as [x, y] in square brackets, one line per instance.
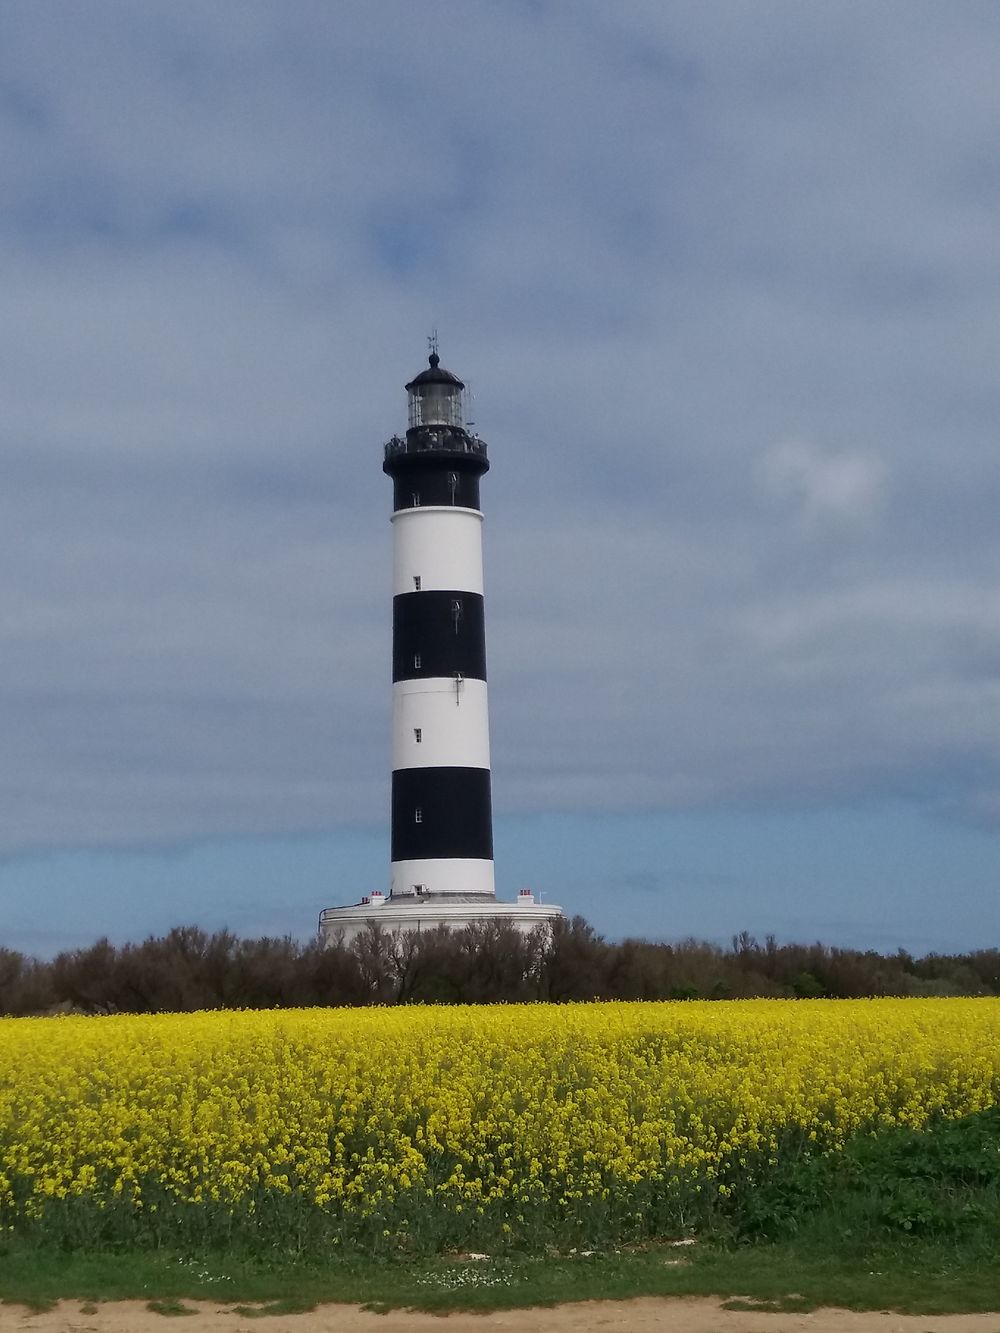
[435, 397]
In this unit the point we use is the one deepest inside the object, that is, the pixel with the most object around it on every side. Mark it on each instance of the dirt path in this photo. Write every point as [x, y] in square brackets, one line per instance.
[647, 1315]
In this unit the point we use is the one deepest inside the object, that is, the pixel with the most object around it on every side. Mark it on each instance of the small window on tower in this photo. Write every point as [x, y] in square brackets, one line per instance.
[418, 815]
[418, 734]
[416, 583]
[416, 661]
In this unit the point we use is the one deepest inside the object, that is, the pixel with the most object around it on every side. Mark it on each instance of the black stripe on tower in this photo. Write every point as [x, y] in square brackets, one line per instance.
[436, 464]
[434, 481]
[441, 813]
[438, 633]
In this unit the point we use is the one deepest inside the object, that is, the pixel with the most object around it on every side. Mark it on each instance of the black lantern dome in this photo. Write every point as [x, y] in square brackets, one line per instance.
[435, 396]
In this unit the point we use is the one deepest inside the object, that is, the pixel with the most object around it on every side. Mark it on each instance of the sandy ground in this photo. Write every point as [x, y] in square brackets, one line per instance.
[639, 1316]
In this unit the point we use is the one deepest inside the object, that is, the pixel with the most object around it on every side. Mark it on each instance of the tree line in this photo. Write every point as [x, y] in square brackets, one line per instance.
[189, 969]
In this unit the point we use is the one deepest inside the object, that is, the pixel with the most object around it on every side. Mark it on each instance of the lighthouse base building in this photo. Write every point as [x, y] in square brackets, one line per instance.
[442, 822]
[393, 914]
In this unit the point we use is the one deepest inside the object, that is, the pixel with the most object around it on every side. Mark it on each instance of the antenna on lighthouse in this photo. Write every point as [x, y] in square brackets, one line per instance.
[432, 342]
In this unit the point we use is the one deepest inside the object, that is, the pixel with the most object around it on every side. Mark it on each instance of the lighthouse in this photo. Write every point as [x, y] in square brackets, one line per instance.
[441, 805]
[442, 822]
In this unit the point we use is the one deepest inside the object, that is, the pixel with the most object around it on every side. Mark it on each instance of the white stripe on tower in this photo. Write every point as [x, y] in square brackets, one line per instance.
[439, 545]
[442, 839]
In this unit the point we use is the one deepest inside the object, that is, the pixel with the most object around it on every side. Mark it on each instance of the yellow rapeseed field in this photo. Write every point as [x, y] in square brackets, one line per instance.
[360, 1112]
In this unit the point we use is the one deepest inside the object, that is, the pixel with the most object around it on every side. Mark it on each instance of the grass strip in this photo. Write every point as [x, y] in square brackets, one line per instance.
[912, 1276]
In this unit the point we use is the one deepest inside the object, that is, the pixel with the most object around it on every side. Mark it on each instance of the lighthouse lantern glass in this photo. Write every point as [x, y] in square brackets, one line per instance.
[436, 405]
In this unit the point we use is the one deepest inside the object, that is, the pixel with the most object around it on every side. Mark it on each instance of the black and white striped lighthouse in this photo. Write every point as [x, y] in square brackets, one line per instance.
[442, 824]
[442, 827]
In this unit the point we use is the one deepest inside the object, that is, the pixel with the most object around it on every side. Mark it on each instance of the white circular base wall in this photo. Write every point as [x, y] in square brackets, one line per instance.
[347, 923]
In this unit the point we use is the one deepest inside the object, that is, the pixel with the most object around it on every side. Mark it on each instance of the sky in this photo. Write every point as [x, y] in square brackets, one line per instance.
[724, 281]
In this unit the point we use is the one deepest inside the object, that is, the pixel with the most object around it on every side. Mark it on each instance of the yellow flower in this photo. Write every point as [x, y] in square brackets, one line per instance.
[464, 1108]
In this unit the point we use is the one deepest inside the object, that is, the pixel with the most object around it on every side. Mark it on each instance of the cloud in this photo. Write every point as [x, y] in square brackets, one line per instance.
[817, 485]
[655, 242]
